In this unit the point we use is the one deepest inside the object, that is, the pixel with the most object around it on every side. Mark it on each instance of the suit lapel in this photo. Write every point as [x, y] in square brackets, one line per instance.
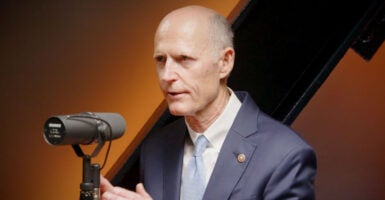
[173, 161]
[237, 150]
[229, 167]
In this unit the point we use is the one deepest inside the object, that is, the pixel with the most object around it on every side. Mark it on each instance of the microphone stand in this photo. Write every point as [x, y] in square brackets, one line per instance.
[90, 186]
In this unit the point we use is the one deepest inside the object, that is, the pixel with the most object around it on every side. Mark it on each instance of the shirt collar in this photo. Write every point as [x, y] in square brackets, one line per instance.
[216, 132]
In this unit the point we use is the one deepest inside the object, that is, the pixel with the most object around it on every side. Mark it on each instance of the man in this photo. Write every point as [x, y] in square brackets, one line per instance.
[248, 156]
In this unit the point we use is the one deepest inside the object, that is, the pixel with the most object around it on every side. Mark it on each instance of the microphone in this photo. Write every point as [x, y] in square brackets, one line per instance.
[83, 128]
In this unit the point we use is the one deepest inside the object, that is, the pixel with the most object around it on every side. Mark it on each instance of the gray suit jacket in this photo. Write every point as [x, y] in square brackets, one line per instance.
[278, 165]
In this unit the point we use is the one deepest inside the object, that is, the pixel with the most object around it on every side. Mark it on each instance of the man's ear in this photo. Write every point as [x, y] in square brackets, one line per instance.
[226, 62]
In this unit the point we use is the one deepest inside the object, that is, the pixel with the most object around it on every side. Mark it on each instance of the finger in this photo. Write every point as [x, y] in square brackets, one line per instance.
[111, 196]
[141, 191]
[107, 196]
[105, 185]
[119, 191]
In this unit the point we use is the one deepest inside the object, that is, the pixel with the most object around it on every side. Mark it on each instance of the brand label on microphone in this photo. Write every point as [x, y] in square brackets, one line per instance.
[54, 125]
[54, 131]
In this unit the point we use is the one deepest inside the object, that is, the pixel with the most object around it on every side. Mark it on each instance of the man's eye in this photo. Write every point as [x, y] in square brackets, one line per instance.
[160, 59]
[184, 57]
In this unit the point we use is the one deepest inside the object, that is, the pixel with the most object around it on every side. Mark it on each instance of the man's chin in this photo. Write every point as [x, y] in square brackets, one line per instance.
[177, 111]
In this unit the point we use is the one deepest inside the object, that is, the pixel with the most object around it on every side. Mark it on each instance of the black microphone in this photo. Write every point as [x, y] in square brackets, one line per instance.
[83, 128]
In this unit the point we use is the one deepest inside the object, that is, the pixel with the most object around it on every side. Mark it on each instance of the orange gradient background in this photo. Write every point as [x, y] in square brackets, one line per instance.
[64, 57]
[345, 123]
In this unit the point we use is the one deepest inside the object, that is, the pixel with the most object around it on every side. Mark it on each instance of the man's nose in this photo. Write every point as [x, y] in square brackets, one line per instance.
[169, 71]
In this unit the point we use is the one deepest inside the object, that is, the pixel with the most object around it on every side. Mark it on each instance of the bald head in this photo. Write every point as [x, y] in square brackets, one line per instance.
[194, 57]
[210, 25]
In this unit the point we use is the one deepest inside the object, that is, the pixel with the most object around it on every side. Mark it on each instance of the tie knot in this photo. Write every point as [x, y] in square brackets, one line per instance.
[200, 145]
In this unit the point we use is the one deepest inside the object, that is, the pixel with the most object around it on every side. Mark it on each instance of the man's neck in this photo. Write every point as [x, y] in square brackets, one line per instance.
[201, 121]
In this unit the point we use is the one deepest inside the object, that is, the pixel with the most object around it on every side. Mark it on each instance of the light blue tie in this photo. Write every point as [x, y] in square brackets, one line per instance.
[194, 182]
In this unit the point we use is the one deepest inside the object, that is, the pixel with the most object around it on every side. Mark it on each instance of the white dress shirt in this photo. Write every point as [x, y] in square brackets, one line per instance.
[215, 133]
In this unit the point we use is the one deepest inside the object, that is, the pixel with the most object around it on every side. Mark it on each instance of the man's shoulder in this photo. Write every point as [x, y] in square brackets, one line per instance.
[273, 132]
[279, 140]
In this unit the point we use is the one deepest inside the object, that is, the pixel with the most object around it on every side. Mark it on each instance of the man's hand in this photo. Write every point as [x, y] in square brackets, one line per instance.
[109, 192]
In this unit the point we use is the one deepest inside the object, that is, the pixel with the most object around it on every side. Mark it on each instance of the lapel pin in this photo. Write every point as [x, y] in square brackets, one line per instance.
[241, 158]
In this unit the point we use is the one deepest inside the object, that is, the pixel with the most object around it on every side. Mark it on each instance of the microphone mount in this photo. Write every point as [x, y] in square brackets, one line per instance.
[99, 137]
[90, 186]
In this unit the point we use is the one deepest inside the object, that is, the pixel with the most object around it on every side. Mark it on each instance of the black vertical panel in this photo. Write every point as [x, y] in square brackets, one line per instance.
[286, 49]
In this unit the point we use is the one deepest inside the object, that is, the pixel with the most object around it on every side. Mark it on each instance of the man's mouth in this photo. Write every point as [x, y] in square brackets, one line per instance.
[174, 94]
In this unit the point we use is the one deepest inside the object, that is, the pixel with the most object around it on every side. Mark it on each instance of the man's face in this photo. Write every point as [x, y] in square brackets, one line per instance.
[188, 71]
